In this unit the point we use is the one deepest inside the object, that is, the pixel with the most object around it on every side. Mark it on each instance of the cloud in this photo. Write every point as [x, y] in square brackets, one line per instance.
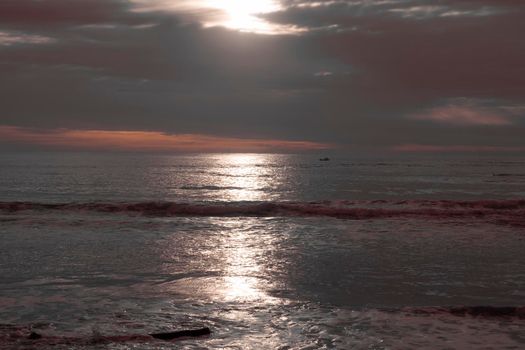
[123, 140]
[9, 38]
[168, 75]
[417, 148]
[465, 113]
[323, 73]
[245, 16]
[429, 11]
[52, 13]
[110, 65]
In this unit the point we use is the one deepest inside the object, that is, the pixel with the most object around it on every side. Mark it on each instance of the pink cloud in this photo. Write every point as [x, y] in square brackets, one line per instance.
[454, 148]
[124, 140]
[464, 115]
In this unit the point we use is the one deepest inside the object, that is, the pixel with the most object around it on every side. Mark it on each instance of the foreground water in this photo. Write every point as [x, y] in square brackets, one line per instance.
[270, 252]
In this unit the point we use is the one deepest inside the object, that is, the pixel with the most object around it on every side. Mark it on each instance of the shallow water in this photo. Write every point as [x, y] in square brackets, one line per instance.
[84, 177]
[284, 273]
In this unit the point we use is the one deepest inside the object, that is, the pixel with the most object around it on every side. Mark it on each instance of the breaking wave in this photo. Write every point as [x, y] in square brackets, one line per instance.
[512, 211]
[25, 336]
[517, 312]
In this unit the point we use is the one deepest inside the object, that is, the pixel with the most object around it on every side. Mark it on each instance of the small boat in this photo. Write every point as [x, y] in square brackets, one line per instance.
[325, 159]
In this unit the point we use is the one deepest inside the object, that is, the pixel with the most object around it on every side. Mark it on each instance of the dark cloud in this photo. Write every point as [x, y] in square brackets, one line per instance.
[356, 73]
[455, 55]
[408, 63]
[36, 14]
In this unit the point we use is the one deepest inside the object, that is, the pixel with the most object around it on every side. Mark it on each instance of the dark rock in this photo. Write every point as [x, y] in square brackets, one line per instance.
[34, 336]
[180, 334]
[489, 311]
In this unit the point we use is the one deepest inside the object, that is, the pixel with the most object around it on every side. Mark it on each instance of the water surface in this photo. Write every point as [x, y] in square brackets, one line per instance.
[269, 251]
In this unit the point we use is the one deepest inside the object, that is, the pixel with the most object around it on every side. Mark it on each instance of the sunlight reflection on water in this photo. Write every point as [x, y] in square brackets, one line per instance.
[246, 175]
[244, 255]
[239, 253]
[228, 266]
[241, 266]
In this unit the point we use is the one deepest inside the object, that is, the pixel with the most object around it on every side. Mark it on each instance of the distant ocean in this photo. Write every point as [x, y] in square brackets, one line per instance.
[268, 251]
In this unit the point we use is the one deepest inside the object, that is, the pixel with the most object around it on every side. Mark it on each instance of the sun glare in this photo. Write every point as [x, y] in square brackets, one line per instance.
[243, 14]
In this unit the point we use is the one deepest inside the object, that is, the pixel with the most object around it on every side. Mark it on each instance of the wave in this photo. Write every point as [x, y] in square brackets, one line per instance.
[511, 204]
[517, 312]
[506, 211]
[211, 188]
[26, 336]
[508, 175]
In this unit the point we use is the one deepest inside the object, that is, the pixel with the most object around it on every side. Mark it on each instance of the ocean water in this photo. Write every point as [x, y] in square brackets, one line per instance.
[268, 251]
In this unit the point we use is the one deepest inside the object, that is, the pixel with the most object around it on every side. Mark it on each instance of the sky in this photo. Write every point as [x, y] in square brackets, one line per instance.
[263, 75]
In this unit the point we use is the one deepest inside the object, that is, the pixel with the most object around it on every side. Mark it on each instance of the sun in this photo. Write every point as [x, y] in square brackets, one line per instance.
[242, 15]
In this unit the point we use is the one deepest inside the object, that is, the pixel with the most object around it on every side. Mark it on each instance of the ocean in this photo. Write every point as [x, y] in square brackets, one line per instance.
[268, 251]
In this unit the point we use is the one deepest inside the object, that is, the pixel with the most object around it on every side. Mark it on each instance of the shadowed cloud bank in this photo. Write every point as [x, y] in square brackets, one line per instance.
[365, 75]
